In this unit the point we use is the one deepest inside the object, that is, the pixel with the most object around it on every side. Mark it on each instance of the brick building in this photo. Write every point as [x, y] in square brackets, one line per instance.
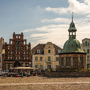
[17, 52]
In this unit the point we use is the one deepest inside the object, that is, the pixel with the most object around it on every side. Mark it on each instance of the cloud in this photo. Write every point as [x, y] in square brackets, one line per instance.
[27, 30]
[57, 29]
[74, 5]
[56, 20]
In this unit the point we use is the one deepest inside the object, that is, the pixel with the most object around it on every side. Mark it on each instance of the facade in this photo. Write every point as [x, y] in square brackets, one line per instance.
[72, 55]
[2, 51]
[46, 56]
[86, 48]
[17, 52]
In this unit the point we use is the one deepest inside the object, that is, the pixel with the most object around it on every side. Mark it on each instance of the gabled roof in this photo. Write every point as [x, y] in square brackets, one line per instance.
[41, 48]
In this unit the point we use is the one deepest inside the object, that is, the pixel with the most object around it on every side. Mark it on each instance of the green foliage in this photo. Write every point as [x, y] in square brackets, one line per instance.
[48, 70]
[82, 69]
[88, 69]
[76, 70]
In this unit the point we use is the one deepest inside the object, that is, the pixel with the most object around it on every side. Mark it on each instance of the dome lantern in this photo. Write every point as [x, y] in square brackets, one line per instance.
[72, 30]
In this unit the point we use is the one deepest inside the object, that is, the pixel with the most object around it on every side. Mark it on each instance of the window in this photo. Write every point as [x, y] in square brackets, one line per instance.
[87, 50]
[8, 52]
[11, 42]
[62, 61]
[27, 52]
[24, 52]
[81, 59]
[19, 42]
[16, 57]
[19, 57]
[86, 43]
[68, 61]
[16, 52]
[24, 57]
[16, 47]
[48, 66]
[41, 66]
[83, 44]
[70, 33]
[27, 57]
[49, 51]
[16, 42]
[36, 58]
[11, 52]
[36, 66]
[26, 47]
[16, 36]
[19, 36]
[19, 52]
[57, 58]
[38, 51]
[19, 47]
[8, 47]
[49, 58]
[26, 64]
[59, 51]
[84, 50]
[11, 57]
[88, 58]
[57, 66]
[40, 58]
[8, 57]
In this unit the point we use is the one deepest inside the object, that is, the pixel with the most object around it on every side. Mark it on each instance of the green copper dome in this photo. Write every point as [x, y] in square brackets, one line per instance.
[72, 46]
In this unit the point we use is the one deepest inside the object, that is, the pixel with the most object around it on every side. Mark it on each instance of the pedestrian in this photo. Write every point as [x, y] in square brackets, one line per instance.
[21, 73]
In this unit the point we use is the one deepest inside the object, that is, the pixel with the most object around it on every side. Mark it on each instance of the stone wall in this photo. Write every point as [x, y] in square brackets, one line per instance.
[67, 74]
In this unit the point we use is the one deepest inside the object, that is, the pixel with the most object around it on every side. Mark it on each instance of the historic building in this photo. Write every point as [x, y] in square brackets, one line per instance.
[86, 48]
[17, 52]
[2, 51]
[45, 56]
[72, 55]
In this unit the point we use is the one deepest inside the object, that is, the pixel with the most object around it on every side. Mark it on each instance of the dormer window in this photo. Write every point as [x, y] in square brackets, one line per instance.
[38, 51]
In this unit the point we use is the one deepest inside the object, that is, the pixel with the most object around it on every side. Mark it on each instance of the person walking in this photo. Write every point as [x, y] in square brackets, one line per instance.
[21, 73]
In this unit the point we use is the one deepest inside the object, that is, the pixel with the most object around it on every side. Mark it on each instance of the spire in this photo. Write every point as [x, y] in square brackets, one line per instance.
[72, 25]
[72, 16]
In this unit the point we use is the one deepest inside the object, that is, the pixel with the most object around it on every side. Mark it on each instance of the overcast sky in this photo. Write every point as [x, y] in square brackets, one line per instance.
[43, 21]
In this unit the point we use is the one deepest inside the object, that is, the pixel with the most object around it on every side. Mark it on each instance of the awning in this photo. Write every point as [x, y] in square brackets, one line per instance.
[23, 68]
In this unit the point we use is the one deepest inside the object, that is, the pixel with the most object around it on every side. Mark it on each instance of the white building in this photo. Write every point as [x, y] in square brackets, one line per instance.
[86, 48]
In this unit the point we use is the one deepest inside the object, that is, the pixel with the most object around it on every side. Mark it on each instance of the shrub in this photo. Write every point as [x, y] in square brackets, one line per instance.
[88, 69]
[48, 70]
[76, 70]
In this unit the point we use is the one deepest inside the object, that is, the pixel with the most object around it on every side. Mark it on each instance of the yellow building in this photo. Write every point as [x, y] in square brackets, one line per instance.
[45, 56]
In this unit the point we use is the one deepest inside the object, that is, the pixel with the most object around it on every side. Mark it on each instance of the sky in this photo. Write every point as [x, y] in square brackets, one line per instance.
[43, 21]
